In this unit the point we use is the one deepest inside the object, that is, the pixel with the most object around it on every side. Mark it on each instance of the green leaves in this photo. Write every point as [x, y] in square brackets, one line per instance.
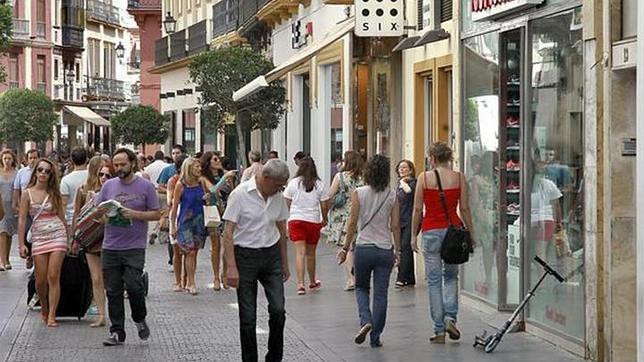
[26, 115]
[139, 125]
[222, 71]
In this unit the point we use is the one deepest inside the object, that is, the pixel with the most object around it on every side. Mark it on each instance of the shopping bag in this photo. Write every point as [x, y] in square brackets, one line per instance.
[211, 216]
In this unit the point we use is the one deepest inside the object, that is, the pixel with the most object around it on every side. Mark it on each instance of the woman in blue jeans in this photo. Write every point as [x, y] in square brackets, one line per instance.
[375, 213]
[443, 300]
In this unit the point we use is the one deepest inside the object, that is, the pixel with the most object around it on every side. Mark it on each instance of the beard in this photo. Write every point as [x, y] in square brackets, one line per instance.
[124, 173]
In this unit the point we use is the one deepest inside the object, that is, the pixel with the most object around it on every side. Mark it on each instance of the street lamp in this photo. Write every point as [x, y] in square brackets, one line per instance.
[169, 23]
[120, 51]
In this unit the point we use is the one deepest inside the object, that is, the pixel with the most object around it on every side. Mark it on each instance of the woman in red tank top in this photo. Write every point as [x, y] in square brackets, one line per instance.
[443, 300]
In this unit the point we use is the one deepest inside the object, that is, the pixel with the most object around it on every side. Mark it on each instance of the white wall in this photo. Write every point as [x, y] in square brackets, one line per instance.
[640, 186]
[171, 82]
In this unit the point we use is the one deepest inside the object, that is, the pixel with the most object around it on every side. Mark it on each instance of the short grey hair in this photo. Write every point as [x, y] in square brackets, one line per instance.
[276, 169]
[254, 156]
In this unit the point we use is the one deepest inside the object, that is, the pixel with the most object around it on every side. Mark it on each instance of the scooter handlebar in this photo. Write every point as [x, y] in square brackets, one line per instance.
[549, 269]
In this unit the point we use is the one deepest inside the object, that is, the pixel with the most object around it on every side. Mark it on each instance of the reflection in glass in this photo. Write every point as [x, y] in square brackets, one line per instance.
[335, 104]
[480, 133]
[556, 210]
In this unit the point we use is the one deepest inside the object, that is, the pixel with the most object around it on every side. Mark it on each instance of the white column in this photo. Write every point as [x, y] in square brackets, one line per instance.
[321, 126]
[347, 112]
[294, 137]
[639, 180]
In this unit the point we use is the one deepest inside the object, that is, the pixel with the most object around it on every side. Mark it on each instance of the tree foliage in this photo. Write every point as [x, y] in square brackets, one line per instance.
[26, 115]
[6, 31]
[221, 72]
[139, 125]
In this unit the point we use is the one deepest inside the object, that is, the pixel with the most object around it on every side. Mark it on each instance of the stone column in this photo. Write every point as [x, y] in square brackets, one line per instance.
[640, 185]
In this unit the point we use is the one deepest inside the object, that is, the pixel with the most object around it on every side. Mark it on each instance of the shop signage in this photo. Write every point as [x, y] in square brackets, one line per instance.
[300, 34]
[379, 18]
[491, 9]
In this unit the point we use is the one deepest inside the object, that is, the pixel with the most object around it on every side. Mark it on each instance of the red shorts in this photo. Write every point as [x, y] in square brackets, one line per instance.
[309, 232]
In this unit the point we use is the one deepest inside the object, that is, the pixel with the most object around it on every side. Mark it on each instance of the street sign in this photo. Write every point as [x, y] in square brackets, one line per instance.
[379, 18]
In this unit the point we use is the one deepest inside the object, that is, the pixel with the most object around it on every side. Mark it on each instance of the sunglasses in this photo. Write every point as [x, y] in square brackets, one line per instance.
[103, 174]
[46, 171]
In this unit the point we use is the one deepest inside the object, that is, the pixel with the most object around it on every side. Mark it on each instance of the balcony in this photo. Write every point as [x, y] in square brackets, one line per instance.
[178, 45]
[72, 37]
[248, 10]
[161, 49]
[144, 7]
[105, 89]
[21, 29]
[13, 84]
[198, 38]
[277, 11]
[41, 30]
[226, 17]
[102, 12]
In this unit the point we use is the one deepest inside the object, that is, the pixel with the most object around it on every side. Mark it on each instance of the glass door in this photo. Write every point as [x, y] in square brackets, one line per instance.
[510, 167]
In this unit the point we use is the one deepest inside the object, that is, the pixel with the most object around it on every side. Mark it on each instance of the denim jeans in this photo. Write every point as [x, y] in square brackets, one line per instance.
[370, 259]
[442, 280]
[124, 267]
[263, 265]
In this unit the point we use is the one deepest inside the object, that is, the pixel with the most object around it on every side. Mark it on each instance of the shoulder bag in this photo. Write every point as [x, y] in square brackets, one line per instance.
[377, 211]
[340, 198]
[457, 244]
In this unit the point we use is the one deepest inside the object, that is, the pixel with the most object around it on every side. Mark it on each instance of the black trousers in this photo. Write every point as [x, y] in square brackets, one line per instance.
[119, 268]
[263, 265]
[406, 266]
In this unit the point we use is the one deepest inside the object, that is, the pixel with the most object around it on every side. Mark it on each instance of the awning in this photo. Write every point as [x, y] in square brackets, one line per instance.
[88, 115]
[432, 36]
[405, 43]
[338, 31]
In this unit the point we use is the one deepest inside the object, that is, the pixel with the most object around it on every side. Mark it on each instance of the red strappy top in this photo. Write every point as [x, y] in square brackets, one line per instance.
[434, 217]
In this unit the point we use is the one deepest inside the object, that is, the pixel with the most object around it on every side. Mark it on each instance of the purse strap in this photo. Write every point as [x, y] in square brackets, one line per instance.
[42, 205]
[377, 211]
[442, 194]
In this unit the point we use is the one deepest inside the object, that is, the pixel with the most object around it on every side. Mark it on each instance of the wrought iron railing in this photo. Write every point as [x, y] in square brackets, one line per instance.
[101, 11]
[105, 88]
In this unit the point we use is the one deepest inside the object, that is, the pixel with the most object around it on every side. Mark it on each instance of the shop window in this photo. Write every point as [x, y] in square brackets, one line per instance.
[306, 114]
[55, 69]
[481, 277]
[335, 116]
[557, 180]
[13, 71]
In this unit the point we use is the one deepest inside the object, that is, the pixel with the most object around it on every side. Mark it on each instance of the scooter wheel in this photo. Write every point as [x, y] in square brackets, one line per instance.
[491, 344]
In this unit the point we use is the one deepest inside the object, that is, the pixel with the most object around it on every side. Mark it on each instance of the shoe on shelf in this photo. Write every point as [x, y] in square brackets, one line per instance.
[514, 209]
[452, 331]
[301, 290]
[512, 166]
[512, 186]
[437, 339]
[144, 330]
[512, 122]
[112, 340]
[362, 333]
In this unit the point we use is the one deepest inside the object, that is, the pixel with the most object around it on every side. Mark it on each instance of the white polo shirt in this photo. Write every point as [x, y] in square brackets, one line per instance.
[255, 218]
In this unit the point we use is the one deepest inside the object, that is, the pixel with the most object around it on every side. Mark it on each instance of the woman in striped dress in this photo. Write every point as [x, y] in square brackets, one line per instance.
[43, 202]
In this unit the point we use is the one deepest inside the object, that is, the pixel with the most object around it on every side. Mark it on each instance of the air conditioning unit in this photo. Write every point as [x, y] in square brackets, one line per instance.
[625, 54]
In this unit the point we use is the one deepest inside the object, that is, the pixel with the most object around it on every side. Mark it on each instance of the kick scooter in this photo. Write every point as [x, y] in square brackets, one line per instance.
[489, 342]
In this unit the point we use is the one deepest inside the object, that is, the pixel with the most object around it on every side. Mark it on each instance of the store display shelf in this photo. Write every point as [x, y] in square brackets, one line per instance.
[513, 148]
[513, 191]
[514, 213]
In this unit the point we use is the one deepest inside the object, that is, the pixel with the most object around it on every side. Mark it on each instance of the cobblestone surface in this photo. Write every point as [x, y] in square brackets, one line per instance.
[184, 327]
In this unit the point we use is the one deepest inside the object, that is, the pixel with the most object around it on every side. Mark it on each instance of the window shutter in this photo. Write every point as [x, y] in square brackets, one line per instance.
[446, 10]
[419, 16]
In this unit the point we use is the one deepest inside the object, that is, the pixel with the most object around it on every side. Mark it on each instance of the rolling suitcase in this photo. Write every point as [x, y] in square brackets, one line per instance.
[75, 287]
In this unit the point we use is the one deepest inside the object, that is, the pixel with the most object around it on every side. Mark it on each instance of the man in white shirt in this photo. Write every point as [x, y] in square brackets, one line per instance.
[255, 159]
[70, 183]
[154, 169]
[255, 242]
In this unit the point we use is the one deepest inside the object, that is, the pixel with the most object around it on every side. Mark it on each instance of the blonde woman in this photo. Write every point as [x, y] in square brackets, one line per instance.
[188, 226]
[98, 172]
[8, 220]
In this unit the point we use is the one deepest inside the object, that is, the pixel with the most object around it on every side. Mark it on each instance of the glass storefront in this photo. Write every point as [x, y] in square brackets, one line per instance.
[481, 138]
[523, 159]
[556, 210]
[335, 116]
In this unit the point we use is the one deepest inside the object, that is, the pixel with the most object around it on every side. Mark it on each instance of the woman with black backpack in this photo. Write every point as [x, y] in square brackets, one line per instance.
[343, 185]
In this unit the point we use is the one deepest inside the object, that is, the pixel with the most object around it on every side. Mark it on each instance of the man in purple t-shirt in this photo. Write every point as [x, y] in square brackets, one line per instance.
[124, 244]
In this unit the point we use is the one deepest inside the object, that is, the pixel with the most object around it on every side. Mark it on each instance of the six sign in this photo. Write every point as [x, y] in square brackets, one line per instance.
[379, 18]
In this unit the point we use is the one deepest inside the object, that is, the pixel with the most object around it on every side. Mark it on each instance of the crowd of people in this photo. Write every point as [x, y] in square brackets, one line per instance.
[373, 223]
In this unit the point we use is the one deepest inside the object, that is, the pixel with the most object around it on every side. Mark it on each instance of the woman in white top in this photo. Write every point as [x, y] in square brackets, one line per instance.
[376, 214]
[308, 201]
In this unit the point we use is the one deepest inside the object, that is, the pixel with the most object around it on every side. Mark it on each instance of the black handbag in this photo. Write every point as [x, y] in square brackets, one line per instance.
[457, 243]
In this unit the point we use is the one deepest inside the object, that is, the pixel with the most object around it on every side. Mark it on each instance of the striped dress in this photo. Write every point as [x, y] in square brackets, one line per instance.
[48, 233]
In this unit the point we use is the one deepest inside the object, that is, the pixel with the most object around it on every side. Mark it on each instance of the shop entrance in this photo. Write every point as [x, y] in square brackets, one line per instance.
[523, 158]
